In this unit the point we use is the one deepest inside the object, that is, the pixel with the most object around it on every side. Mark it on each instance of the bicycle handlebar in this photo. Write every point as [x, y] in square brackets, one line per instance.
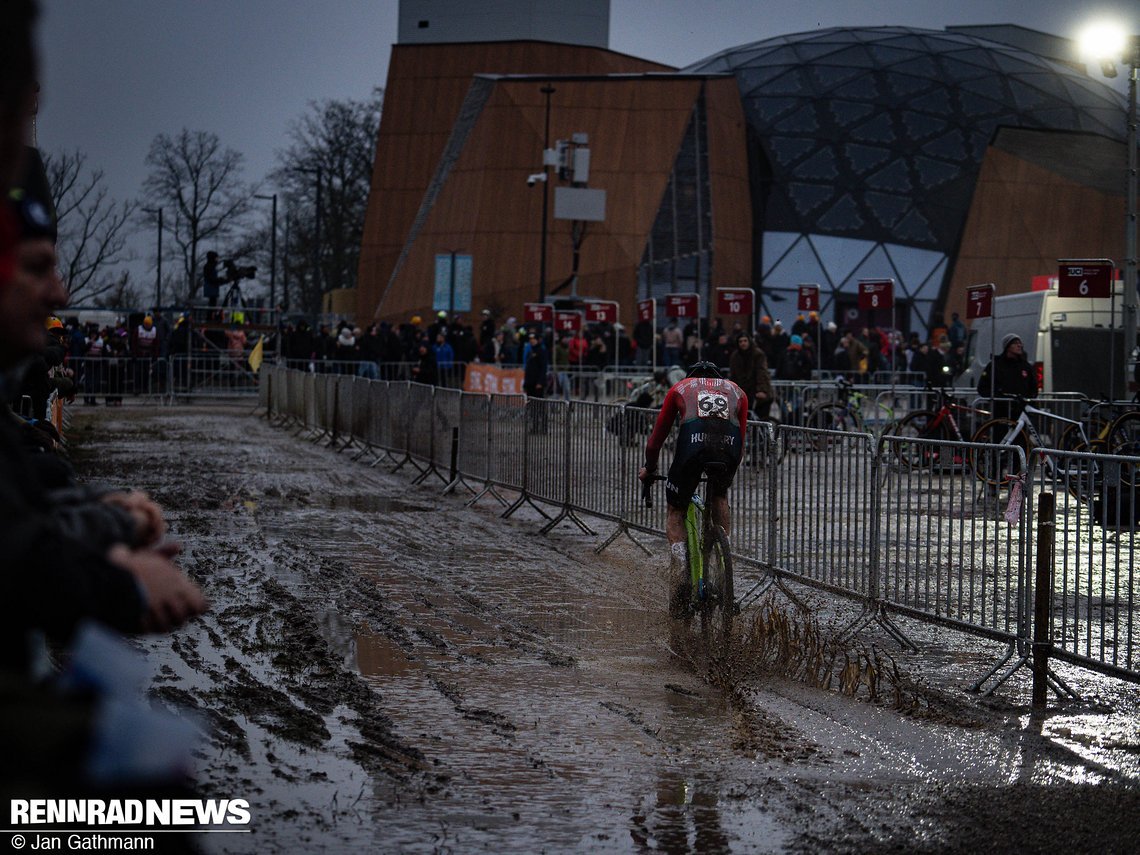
[647, 488]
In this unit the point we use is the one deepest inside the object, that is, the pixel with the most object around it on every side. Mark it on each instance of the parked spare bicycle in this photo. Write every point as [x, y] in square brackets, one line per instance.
[845, 415]
[996, 466]
[941, 425]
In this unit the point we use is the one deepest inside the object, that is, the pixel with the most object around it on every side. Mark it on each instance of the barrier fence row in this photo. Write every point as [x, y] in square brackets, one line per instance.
[900, 525]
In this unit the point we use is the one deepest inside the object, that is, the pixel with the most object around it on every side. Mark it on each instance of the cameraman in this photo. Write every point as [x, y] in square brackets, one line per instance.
[212, 280]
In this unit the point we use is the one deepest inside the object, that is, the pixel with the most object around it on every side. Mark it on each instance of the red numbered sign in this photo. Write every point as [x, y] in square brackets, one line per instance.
[1085, 279]
[734, 301]
[538, 313]
[647, 310]
[568, 321]
[876, 294]
[980, 301]
[682, 306]
[602, 312]
[808, 298]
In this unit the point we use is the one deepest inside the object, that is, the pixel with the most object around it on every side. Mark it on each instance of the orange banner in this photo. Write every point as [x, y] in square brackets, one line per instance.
[492, 380]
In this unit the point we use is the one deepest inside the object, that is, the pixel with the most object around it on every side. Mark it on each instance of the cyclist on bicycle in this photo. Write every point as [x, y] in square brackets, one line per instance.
[713, 416]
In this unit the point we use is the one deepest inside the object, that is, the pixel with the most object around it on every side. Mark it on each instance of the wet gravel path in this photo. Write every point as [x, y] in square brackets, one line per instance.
[384, 668]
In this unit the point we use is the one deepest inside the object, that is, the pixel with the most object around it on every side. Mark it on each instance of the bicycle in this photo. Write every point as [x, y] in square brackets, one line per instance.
[710, 564]
[993, 467]
[1123, 438]
[844, 415]
[937, 424]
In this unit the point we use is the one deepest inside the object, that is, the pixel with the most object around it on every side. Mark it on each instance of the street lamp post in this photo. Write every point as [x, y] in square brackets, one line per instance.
[318, 172]
[285, 271]
[546, 90]
[158, 265]
[1132, 58]
[272, 251]
[1110, 45]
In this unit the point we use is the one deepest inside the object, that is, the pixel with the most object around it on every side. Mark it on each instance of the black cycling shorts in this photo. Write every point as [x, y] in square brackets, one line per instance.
[696, 449]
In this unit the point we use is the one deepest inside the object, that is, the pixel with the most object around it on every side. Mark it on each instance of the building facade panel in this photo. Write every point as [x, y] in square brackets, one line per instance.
[1024, 218]
[486, 207]
[424, 92]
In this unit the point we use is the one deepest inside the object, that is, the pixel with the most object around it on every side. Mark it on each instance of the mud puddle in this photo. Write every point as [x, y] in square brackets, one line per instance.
[387, 669]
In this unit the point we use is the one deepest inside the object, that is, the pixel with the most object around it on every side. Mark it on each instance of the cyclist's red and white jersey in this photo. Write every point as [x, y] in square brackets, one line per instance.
[708, 409]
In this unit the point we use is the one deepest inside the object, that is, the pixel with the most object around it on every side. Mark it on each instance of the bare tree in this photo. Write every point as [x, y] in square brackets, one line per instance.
[199, 184]
[332, 147]
[93, 228]
[120, 293]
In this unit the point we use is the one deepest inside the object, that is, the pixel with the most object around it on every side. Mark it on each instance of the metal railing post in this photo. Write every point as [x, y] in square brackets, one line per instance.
[1042, 601]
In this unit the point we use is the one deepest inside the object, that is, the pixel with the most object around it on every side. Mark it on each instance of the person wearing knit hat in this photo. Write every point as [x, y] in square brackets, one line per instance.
[36, 288]
[795, 362]
[1009, 376]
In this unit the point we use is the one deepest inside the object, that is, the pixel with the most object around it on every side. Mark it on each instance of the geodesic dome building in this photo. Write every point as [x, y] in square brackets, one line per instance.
[866, 146]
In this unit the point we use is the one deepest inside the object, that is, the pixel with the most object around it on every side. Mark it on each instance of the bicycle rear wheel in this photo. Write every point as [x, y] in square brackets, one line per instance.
[1082, 476]
[717, 600]
[1124, 439]
[832, 417]
[921, 424]
[994, 465]
[1072, 439]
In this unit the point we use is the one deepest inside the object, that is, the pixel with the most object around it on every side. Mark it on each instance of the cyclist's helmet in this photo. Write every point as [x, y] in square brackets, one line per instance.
[704, 369]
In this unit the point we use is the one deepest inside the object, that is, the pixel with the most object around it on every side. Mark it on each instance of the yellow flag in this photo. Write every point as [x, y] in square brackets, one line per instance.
[257, 354]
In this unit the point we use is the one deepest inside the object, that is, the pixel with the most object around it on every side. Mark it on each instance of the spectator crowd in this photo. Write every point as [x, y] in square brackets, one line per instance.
[436, 352]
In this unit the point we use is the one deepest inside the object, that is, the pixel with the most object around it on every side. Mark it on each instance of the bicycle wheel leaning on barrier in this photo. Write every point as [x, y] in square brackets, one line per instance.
[994, 466]
[920, 424]
[1124, 439]
[763, 442]
[998, 464]
[833, 417]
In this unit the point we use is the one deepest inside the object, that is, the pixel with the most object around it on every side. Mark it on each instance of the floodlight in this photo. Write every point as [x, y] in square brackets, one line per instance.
[1102, 40]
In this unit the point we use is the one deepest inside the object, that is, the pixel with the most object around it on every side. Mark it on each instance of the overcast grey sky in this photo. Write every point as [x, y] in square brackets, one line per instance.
[118, 72]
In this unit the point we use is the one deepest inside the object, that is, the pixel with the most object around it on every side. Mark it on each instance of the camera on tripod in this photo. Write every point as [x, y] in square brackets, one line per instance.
[235, 274]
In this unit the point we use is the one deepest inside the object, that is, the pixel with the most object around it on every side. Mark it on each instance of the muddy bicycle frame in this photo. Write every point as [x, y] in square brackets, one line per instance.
[705, 539]
[944, 413]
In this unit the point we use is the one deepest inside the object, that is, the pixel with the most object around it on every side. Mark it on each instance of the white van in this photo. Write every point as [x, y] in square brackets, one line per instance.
[1067, 339]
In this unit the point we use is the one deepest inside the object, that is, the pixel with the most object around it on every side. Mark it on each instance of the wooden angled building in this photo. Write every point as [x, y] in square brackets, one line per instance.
[458, 141]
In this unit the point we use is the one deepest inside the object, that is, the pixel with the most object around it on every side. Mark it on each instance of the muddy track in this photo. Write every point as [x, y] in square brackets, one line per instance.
[384, 667]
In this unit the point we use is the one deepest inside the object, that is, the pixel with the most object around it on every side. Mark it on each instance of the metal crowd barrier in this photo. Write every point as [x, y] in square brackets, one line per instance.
[114, 378]
[1095, 594]
[948, 549]
[899, 524]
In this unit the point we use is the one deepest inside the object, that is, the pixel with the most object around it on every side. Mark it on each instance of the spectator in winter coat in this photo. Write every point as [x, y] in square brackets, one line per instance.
[1009, 376]
[749, 371]
[425, 369]
[795, 364]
